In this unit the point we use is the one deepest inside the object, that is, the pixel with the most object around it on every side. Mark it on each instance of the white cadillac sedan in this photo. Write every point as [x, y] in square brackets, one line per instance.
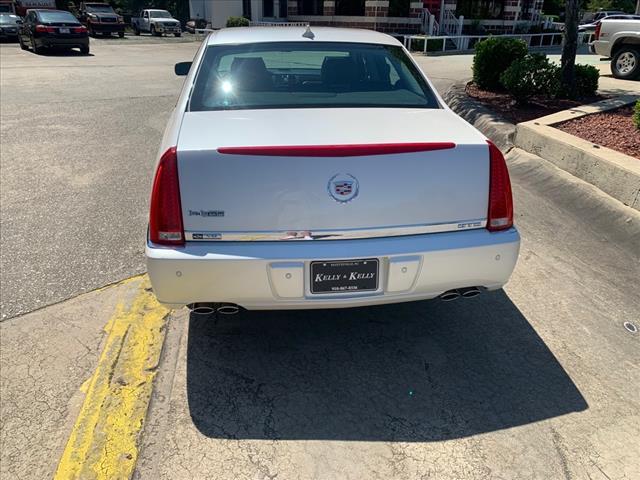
[318, 168]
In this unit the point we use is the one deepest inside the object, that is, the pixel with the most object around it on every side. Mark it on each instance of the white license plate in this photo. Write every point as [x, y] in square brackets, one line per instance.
[64, 30]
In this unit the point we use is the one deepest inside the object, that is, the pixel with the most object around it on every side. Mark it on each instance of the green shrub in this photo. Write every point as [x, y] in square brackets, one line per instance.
[586, 80]
[636, 115]
[237, 22]
[587, 77]
[493, 56]
[528, 76]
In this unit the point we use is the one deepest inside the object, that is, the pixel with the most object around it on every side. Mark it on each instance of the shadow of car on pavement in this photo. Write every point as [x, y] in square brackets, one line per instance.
[413, 372]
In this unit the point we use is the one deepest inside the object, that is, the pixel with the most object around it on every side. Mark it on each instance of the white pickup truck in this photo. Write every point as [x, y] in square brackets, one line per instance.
[156, 22]
[619, 40]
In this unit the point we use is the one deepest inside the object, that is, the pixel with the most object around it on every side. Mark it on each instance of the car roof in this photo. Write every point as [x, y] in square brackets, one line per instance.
[238, 35]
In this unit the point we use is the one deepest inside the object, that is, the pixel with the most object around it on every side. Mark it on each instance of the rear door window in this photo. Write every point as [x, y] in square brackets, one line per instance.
[308, 75]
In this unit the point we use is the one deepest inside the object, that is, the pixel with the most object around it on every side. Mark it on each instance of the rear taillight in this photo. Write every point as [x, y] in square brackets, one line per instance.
[500, 215]
[597, 32]
[81, 29]
[165, 217]
[45, 29]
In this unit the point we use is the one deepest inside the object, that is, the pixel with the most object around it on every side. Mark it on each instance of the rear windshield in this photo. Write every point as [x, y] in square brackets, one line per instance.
[160, 14]
[53, 17]
[308, 75]
[99, 8]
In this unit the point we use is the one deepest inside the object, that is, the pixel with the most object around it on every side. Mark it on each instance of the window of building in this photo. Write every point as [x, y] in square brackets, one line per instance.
[246, 9]
[399, 8]
[350, 7]
[267, 8]
[310, 7]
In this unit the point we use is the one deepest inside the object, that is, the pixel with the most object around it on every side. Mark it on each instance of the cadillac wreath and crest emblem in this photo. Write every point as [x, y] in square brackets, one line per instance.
[343, 187]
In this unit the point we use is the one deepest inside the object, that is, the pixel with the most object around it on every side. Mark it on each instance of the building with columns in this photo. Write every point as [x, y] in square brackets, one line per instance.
[391, 16]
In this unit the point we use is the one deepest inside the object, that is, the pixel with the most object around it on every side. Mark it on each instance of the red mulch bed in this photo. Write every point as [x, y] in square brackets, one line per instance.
[504, 104]
[613, 129]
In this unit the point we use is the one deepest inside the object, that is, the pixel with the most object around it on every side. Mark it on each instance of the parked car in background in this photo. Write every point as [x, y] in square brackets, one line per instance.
[318, 168]
[9, 25]
[592, 17]
[619, 40]
[156, 22]
[7, 6]
[101, 18]
[591, 27]
[194, 24]
[44, 29]
[21, 6]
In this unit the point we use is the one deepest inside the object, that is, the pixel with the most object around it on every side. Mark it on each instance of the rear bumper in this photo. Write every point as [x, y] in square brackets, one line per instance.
[276, 275]
[62, 42]
[108, 27]
[602, 48]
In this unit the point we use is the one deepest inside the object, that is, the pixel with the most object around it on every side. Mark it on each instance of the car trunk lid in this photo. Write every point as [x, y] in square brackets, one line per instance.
[330, 173]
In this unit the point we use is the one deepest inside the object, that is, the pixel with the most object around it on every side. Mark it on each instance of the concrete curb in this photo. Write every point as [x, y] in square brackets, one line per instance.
[500, 131]
[614, 173]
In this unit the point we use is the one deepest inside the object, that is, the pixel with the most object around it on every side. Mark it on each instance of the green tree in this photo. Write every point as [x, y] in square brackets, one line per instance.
[623, 5]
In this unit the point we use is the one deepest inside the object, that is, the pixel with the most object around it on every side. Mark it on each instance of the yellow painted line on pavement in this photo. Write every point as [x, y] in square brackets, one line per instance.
[104, 440]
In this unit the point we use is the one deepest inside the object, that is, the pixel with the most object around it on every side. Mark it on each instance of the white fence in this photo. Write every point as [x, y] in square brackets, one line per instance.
[278, 24]
[449, 24]
[467, 42]
[430, 25]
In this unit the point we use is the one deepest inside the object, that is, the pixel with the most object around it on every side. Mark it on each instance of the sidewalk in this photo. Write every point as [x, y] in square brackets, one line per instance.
[46, 359]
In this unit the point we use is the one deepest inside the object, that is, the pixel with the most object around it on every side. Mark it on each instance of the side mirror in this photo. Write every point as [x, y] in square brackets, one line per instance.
[182, 68]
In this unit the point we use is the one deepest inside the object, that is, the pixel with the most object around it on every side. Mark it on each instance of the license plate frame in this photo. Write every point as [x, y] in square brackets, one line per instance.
[336, 276]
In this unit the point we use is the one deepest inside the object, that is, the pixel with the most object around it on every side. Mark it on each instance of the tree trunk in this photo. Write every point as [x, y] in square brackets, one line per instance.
[568, 61]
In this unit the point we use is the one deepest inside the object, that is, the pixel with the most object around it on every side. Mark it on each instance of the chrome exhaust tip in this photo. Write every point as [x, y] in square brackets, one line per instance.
[470, 292]
[228, 309]
[450, 295]
[202, 308]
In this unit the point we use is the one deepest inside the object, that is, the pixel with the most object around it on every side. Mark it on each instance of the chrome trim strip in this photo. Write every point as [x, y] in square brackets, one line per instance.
[209, 236]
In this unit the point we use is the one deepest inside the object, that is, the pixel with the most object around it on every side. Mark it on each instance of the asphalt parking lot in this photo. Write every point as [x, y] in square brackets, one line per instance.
[79, 136]
[539, 380]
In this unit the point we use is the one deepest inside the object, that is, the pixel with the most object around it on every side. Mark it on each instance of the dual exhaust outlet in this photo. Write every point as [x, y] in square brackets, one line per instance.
[206, 308]
[467, 292]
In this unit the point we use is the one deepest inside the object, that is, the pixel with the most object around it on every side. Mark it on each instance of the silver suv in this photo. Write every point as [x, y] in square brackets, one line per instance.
[619, 40]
